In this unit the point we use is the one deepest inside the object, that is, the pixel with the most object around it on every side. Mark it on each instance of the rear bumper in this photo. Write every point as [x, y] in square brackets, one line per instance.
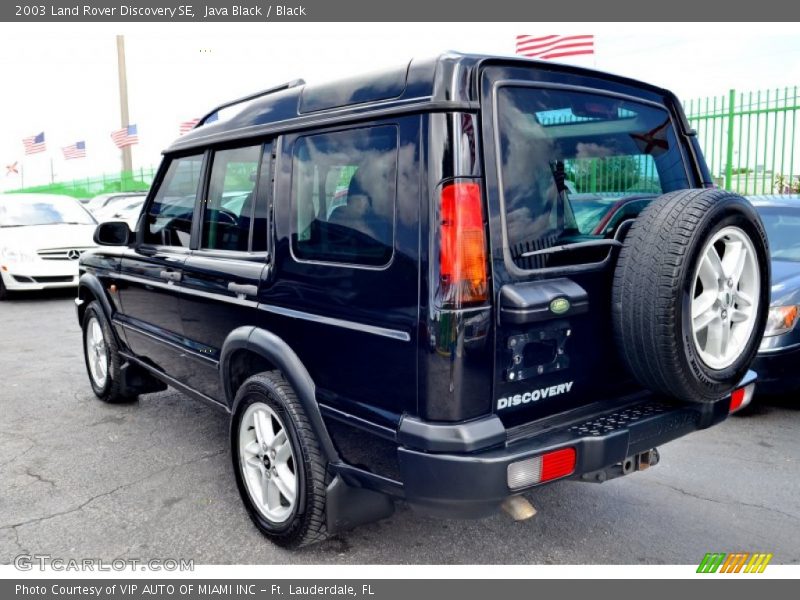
[475, 484]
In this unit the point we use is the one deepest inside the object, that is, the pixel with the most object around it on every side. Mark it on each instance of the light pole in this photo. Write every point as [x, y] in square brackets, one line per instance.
[127, 163]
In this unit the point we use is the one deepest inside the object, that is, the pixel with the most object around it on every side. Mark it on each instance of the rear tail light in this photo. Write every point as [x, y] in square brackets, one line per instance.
[462, 249]
[547, 467]
[741, 397]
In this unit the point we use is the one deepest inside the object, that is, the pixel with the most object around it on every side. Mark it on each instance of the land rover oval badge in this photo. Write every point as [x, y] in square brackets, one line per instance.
[559, 306]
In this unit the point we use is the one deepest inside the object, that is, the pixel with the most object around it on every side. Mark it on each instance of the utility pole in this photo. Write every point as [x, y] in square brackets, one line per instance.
[127, 163]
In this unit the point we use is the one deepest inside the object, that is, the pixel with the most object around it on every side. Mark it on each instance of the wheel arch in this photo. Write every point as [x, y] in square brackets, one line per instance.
[90, 289]
[248, 350]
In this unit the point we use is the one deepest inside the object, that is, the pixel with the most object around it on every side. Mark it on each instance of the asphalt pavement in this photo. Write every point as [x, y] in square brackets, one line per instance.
[153, 479]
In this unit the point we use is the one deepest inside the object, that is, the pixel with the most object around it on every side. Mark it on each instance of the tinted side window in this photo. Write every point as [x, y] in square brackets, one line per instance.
[229, 207]
[169, 217]
[343, 196]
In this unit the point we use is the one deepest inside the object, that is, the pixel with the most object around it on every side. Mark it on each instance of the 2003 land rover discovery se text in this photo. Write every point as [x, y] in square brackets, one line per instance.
[382, 280]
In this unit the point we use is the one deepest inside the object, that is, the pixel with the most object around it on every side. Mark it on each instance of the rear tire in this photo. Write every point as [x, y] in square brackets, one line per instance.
[278, 459]
[3, 290]
[685, 245]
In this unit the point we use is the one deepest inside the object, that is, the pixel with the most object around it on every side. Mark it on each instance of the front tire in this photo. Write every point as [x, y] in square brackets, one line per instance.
[279, 468]
[101, 355]
[691, 294]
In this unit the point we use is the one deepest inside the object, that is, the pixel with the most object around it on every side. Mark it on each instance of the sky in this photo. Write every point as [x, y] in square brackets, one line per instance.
[62, 78]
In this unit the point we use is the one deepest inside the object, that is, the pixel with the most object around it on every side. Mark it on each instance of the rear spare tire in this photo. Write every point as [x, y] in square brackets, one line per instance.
[691, 294]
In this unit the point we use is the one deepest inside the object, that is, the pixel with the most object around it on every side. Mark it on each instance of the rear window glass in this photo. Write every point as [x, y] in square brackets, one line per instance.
[568, 159]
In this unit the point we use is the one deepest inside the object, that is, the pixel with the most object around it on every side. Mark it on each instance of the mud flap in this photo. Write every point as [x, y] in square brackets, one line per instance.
[348, 507]
[135, 380]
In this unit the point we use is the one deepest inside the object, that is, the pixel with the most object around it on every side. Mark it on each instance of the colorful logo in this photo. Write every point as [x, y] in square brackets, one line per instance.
[737, 562]
[559, 306]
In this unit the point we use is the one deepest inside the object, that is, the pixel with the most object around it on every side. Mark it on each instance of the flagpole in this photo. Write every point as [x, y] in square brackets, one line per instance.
[21, 176]
[52, 172]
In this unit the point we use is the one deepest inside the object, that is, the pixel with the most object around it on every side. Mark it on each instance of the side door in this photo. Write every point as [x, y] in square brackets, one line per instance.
[346, 263]
[222, 274]
[151, 271]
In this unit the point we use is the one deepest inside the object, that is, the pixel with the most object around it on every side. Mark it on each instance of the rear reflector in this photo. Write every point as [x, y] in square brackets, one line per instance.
[741, 397]
[462, 250]
[547, 467]
[558, 464]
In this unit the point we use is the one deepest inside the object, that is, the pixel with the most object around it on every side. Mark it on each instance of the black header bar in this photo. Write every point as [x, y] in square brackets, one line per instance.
[255, 11]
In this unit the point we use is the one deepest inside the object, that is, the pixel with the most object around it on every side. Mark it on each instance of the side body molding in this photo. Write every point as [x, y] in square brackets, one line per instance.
[272, 348]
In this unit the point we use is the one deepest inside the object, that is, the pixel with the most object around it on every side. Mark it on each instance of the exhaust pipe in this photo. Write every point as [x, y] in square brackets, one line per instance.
[518, 508]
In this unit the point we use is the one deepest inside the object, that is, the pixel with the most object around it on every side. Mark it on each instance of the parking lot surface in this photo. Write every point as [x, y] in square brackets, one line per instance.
[152, 479]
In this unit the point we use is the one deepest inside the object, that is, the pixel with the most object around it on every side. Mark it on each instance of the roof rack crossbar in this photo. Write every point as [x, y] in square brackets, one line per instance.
[272, 90]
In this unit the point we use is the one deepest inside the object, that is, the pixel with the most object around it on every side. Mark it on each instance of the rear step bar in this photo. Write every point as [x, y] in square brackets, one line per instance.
[603, 440]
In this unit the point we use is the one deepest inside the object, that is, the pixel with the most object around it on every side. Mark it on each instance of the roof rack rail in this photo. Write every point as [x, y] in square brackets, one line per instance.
[272, 90]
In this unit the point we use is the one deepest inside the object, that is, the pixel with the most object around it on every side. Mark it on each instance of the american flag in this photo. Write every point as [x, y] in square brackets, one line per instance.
[554, 46]
[76, 150]
[34, 144]
[127, 136]
[187, 126]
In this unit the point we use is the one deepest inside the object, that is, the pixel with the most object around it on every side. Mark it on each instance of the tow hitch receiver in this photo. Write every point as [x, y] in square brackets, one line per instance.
[647, 459]
[637, 462]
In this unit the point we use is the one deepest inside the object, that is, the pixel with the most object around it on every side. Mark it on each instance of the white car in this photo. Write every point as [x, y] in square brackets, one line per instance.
[126, 209]
[103, 201]
[41, 238]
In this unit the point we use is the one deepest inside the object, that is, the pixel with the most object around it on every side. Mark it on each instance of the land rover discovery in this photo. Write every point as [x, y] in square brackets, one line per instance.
[383, 281]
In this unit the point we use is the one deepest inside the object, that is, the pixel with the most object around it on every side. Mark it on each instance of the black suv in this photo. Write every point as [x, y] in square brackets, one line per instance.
[383, 281]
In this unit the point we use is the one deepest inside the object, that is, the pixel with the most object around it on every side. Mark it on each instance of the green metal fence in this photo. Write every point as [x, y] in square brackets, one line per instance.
[749, 139]
[126, 181]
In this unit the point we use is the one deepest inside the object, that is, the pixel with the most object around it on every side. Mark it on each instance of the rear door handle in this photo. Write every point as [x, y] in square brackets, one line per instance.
[242, 289]
[171, 275]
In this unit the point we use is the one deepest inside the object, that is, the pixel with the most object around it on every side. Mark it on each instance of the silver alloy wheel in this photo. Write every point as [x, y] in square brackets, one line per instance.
[96, 352]
[267, 462]
[725, 297]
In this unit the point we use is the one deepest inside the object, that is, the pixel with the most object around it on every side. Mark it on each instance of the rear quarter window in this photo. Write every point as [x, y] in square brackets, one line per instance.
[343, 196]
